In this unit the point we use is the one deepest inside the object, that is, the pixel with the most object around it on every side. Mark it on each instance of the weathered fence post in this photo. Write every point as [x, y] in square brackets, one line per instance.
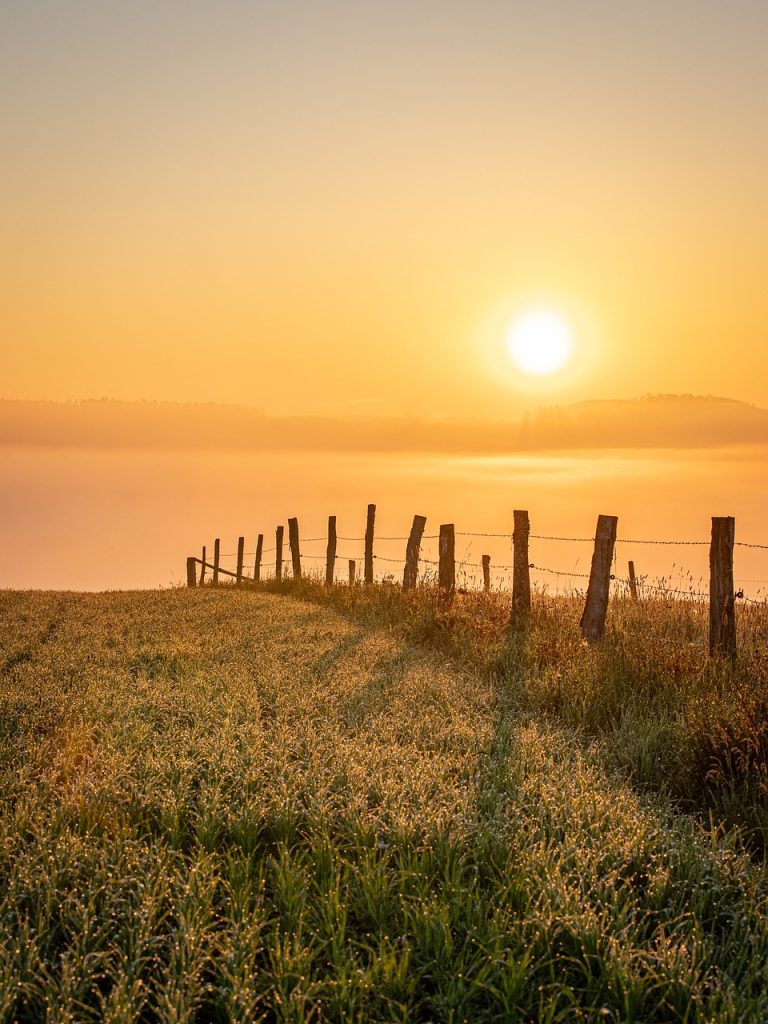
[351, 572]
[257, 561]
[521, 572]
[486, 560]
[722, 611]
[279, 553]
[202, 567]
[191, 571]
[330, 555]
[411, 571]
[446, 574]
[368, 569]
[240, 557]
[596, 607]
[216, 561]
[632, 581]
[293, 540]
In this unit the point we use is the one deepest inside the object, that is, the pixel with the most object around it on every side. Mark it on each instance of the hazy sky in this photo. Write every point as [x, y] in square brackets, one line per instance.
[334, 207]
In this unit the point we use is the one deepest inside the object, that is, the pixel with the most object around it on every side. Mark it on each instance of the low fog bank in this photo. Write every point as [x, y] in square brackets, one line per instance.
[114, 518]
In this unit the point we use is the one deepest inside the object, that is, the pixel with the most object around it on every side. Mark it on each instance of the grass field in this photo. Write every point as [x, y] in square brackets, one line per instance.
[671, 718]
[234, 805]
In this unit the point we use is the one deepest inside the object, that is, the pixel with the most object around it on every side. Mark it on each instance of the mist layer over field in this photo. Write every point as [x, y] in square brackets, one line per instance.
[93, 519]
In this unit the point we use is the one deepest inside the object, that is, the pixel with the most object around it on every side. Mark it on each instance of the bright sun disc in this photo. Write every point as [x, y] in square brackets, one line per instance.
[540, 342]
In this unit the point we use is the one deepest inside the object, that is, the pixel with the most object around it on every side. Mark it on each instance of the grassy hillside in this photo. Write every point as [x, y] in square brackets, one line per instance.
[672, 719]
[227, 805]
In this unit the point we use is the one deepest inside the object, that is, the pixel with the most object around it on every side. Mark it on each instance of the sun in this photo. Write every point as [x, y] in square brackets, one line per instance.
[540, 342]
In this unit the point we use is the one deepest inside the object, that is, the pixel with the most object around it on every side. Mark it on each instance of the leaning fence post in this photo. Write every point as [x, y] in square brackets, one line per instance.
[521, 572]
[351, 572]
[722, 611]
[486, 560]
[368, 569]
[240, 557]
[257, 561]
[202, 567]
[412, 552]
[446, 574]
[596, 607]
[293, 540]
[191, 571]
[330, 555]
[632, 581]
[216, 561]
[279, 553]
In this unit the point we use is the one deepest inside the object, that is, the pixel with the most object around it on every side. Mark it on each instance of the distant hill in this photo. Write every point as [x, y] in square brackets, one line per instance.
[653, 421]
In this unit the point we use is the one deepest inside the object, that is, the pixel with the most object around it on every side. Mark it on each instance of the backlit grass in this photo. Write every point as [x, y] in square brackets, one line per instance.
[230, 805]
[673, 719]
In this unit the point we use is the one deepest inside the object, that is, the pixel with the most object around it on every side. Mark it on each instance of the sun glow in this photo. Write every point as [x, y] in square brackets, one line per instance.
[540, 342]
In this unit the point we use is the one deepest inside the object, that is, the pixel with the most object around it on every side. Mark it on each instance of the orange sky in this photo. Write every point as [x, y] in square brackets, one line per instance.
[333, 208]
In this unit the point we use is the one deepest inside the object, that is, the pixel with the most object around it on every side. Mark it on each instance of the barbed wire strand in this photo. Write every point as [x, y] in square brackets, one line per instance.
[542, 536]
[641, 584]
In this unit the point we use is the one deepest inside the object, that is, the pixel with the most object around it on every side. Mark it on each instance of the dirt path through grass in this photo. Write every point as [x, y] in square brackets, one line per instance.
[226, 805]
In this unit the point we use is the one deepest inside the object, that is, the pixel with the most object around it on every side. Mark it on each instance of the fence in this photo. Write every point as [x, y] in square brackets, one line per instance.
[722, 595]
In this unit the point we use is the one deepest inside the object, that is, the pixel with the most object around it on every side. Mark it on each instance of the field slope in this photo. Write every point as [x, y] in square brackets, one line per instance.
[224, 805]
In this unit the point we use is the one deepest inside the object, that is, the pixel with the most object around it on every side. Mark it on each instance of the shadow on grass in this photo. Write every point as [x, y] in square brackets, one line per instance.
[667, 716]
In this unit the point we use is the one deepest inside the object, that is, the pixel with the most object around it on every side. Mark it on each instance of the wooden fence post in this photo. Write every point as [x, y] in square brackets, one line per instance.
[330, 555]
[411, 572]
[632, 581]
[279, 553]
[293, 540]
[191, 571]
[202, 568]
[257, 562]
[368, 569]
[351, 572]
[521, 572]
[486, 560]
[216, 561]
[240, 557]
[446, 574]
[722, 610]
[596, 607]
